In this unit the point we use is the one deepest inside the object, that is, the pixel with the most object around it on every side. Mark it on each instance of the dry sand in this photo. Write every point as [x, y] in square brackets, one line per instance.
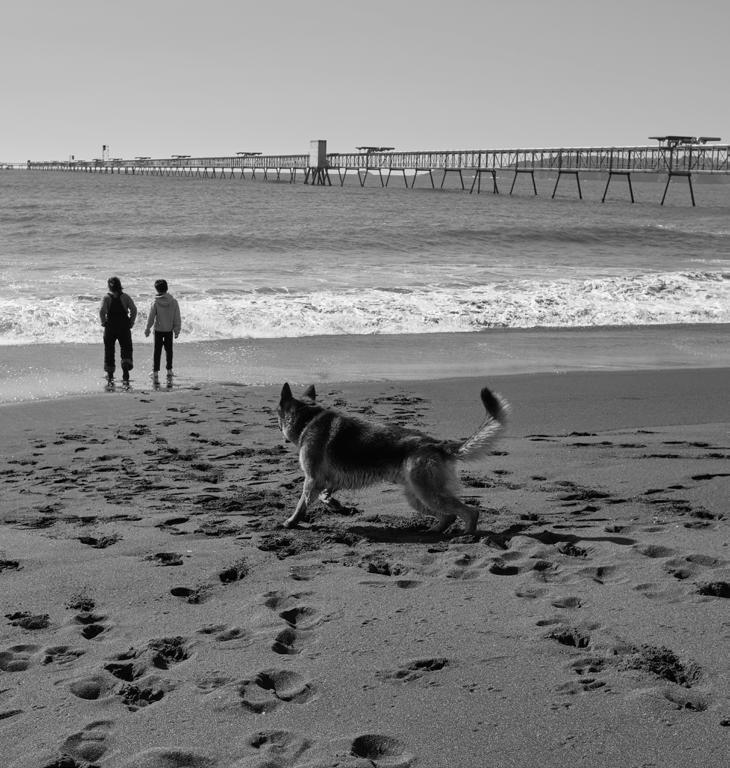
[156, 615]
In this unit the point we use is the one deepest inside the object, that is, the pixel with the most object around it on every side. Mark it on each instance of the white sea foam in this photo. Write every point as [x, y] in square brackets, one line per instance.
[676, 297]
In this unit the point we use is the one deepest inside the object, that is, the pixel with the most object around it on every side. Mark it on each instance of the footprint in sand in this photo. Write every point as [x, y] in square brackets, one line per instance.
[587, 668]
[161, 653]
[500, 568]
[566, 602]
[280, 600]
[582, 685]
[81, 601]
[191, 595]
[275, 748]
[228, 634]
[687, 700]
[224, 634]
[102, 542]
[662, 663]
[126, 670]
[302, 617]
[305, 572]
[571, 550]
[92, 630]
[92, 687]
[382, 751]
[655, 550]
[26, 620]
[273, 687]
[218, 528]
[654, 591]
[91, 743]
[685, 567]
[170, 525]
[166, 558]
[574, 637]
[602, 574]
[65, 761]
[212, 683]
[168, 650]
[36, 523]
[289, 641]
[378, 562]
[715, 589]
[17, 658]
[455, 565]
[60, 654]
[530, 593]
[284, 749]
[162, 757]
[234, 572]
[143, 692]
[398, 583]
[92, 624]
[412, 670]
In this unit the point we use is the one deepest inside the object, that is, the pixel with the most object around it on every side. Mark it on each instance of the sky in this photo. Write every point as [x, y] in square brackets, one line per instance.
[216, 77]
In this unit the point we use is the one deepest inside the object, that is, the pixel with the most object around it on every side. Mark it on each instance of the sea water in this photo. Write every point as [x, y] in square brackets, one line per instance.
[399, 282]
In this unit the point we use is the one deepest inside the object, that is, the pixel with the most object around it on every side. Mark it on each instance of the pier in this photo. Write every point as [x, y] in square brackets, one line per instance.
[677, 157]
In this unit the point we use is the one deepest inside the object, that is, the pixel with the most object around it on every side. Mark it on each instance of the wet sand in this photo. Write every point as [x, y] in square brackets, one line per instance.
[41, 371]
[156, 615]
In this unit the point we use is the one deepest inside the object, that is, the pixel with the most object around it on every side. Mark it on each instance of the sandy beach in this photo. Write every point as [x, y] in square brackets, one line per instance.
[155, 614]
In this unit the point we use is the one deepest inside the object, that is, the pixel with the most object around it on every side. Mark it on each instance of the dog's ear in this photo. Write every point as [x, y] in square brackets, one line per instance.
[286, 394]
[310, 392]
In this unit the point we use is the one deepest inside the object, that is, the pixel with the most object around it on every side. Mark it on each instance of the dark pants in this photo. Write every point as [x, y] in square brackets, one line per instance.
[162, 339]
[124, 337]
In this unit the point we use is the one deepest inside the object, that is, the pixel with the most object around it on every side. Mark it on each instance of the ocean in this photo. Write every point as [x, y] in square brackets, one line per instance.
[351, 282]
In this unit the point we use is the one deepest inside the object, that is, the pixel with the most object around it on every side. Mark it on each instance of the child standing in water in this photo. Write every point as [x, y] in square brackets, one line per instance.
[165, 315]
[117, 315]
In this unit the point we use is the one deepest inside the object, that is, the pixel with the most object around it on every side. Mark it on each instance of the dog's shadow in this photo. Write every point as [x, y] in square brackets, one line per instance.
[396, 534]
[419, 534]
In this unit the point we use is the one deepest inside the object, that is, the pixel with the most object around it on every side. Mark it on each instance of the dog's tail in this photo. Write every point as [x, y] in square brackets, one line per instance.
[480, 443]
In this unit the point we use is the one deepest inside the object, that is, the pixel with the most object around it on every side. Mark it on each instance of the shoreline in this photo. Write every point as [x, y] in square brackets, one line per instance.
[33, 372]
[542, 401]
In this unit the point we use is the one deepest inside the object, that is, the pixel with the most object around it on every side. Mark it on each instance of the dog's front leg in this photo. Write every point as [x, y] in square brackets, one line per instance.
[310, 489]
[330, 501]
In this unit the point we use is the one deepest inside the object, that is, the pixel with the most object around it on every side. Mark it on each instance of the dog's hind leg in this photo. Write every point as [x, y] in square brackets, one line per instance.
[452, 506]
[433, 484]
[444, 520]
[309, 491]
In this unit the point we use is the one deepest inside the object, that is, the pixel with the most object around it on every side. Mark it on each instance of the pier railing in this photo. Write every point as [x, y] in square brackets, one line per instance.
[698, 158]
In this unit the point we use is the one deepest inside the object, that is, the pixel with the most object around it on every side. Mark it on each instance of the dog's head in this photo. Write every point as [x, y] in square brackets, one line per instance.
[290, 409]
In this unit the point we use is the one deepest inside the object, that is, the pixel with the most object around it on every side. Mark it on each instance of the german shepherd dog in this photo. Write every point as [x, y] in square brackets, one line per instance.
[339, 451]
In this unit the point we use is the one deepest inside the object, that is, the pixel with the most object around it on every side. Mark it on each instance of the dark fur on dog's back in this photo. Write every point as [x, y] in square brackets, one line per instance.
[359, 448]
[339, 451]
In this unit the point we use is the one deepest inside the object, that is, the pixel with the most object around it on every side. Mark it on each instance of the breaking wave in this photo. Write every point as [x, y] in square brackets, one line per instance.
[649, 299]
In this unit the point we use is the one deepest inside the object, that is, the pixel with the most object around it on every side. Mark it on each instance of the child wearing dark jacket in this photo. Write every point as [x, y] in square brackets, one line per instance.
[165, 316]
[117, 314]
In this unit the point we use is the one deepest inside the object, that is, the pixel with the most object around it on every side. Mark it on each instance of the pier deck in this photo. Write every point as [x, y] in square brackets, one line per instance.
[675, 159]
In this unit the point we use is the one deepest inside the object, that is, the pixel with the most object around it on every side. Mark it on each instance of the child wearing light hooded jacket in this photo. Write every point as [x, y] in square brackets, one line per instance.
[165, 316]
